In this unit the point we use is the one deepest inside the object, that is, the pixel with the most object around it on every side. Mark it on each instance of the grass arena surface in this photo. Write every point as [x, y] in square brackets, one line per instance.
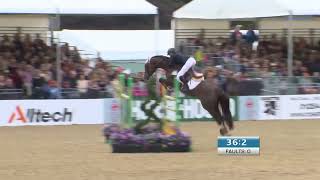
[290, 150]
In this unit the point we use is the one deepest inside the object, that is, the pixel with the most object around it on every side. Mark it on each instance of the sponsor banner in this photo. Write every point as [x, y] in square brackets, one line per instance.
[248, 107]
[301, 106]
[269, 107]
[51, 112]
[112, 110]
[190, 109]
[138, 114]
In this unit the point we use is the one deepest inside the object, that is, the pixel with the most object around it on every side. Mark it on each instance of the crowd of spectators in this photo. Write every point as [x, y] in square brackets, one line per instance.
[28, 66]
[249, 56]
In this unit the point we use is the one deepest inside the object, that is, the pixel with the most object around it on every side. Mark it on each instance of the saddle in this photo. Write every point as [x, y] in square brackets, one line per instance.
[191, 79]
[192, 74]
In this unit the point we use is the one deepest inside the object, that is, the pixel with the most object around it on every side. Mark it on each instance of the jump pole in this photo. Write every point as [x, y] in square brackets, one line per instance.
[177, 103]
[126, 100]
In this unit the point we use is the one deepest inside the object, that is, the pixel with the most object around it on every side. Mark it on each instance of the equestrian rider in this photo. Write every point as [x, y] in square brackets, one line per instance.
[187, 62]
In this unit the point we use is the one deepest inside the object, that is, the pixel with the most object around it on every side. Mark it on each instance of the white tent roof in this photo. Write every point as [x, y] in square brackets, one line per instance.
[233, 9]
[120, 45]
[106, 7]
[301, 7]
[27, 7]
[77, 7]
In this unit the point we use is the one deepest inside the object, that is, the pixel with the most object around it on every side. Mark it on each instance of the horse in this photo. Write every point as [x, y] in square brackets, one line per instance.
[211, 96]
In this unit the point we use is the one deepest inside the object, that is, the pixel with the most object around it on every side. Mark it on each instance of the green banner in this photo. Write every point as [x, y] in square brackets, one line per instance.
[190, 110]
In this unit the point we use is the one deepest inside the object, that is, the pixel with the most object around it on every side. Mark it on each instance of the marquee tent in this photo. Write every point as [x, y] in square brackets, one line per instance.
[77, 7]
[235, 9]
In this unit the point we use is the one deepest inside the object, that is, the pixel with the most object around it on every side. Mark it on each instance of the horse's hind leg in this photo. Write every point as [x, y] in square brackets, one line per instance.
[225, 106]
[216, 114]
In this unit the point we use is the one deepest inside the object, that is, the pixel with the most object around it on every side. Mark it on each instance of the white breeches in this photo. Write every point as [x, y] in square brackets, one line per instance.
[190, 62]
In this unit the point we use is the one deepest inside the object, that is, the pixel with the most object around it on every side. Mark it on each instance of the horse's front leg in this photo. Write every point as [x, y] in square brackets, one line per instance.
[165, 83]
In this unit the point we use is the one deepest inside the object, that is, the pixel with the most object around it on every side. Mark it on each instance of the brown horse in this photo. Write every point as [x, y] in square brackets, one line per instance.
[212, 97]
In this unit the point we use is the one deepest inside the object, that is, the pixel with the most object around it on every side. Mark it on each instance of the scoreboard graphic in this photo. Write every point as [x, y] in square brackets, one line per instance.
[238, 145]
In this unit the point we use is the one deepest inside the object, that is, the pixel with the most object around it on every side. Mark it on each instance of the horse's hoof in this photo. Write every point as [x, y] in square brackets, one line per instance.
[224, 132]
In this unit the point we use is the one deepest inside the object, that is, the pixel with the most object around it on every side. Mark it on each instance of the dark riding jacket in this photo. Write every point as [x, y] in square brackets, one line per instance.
[178, 59]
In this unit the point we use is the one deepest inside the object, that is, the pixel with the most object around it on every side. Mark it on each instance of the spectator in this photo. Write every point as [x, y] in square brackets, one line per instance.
[231, 84]
[251, 37]
[93, 90]
[72, 79]
[182, 48]
[116, 87]
[38, 82]
[39, 43]
[109, 89]
[27, 79]
[6, 44]
[139, 87]
[313, 61]
[236, 35]
[316, 77]
[274, 45]
[18, 43]
[2, 81]
[68, 92]
[9, 84]
[53, 90]
[199, 56]
[82, 85]
[27, 43]
[16, 77]
[3, 64]
[200, 39]
[297, 67]
[306, 85]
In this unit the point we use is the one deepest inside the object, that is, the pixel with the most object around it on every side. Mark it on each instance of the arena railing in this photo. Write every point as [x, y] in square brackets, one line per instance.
[273, 85]
[7, 94]
[66, 93]
[283, 85]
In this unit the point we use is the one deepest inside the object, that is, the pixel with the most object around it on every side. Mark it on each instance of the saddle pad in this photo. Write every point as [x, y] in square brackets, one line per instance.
[193, 83]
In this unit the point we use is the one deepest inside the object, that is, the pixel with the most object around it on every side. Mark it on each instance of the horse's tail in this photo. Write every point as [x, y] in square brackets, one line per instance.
[225, 106]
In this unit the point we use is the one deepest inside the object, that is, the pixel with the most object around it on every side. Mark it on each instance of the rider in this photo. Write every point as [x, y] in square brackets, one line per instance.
[187, 62]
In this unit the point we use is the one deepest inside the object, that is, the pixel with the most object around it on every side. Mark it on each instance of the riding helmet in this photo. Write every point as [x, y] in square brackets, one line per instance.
[171, 51]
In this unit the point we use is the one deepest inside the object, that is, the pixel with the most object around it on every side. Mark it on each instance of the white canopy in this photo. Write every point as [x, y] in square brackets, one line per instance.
[106, 7]
[233, 9]
[27, 7]
[301, 7]
[77, 7]
[120, 45]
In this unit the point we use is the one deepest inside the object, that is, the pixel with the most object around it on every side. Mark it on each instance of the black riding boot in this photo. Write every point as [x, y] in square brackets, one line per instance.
[184, 84]
[184, 88]
[183, 79]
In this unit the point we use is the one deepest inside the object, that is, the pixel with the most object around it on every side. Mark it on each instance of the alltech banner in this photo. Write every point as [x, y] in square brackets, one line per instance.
[51, 112]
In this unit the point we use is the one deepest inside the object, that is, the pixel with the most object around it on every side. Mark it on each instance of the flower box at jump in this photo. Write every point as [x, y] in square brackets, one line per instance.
[152, 135]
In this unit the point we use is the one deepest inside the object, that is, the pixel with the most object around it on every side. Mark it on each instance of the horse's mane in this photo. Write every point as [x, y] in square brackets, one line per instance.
[160, 56]
[157, 57]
